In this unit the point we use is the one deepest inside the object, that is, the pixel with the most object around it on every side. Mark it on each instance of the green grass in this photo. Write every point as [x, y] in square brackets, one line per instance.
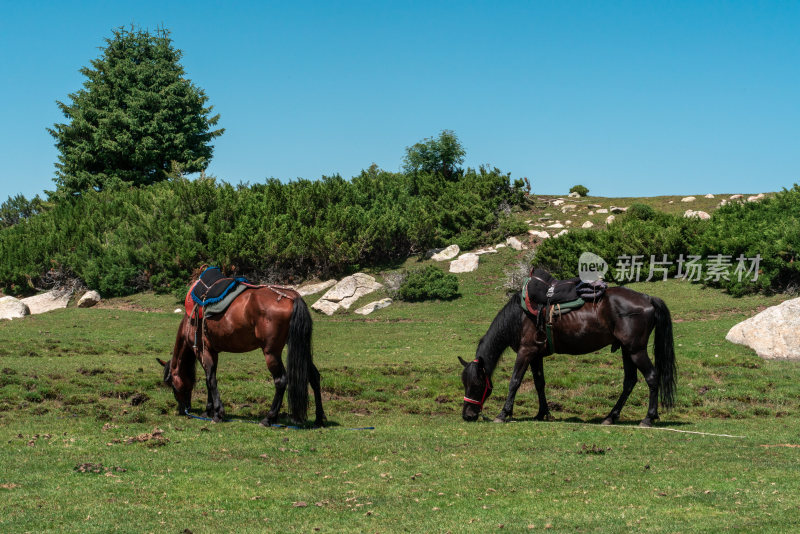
[81, 389]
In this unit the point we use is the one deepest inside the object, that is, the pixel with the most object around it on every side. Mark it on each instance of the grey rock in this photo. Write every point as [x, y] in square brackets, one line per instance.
[773, 334]
[13, 308]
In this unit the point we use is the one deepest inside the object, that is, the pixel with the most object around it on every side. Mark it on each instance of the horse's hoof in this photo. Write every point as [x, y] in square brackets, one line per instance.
[499, 419]
[646, 423]
[607, 421]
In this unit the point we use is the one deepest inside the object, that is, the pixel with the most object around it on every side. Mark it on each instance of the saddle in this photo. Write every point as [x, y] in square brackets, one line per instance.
[213, 293]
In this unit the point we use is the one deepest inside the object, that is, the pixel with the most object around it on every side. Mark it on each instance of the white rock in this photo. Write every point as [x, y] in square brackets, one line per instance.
[602, 210]
[500, 245]
[736, 197]
[89, 299]
[568, 207]
[688, 199]
[13, 308]
[562, 232]
[574, 195]
[178, 310]
[445, 254]
[346, 292]
[482, 251]
[325, 306]
[591, 212]
[610, 219]
[671, 202]
[311, 289]
[587, 224]
[556, 225]
[699, 214]
[617, 209]
[515, 243]
[568, 222]
[709, 195]
[755, 198]
[372, 306]
[49, 301]
[593, 206]
[773, 334]
[466, 263]
[539, 234]
[558, 202]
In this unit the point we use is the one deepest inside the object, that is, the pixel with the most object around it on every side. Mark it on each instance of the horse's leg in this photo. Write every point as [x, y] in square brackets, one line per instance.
[520, 366]
[537, 366]
[314, 380]
[209, 360]
[644, 364]
[281, 379]
[627, 387]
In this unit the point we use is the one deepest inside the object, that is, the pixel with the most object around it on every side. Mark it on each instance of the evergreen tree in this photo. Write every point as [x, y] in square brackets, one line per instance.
[136, 116]
[440, 155]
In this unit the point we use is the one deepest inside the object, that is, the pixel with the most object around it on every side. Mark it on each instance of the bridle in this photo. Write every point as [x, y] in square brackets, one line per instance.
[487, 390]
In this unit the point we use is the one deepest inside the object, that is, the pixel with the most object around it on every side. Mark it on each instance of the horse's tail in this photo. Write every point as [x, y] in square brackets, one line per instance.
[665, 353]
[299, 359]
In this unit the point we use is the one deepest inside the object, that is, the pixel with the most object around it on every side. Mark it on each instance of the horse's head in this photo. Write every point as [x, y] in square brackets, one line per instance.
[181, 379]
[477, 388]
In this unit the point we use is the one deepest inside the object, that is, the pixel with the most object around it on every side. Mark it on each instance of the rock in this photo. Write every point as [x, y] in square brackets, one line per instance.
[445, 254]
[587, 224]
[688, 199]
[539, 234]
[346, 292]
[593, 206]
[372, 306]
[13, 308]
[602, 210]
[724, 201]
[610, 219]
[545, 219]
[591, 212]
[177, 310]
[567, 222]
[574, 195]
[488, 250]
[568, 207]
[709, 195]
[755, 198]
[466, 263]
[515, 243]
[558, 202]
[617, 209]
[556, 225]
[311, 289]
[49, 301]
[562, 232]
[773, 334]
[89, 299]
[699, 214]
[671, 202]
[736, 197]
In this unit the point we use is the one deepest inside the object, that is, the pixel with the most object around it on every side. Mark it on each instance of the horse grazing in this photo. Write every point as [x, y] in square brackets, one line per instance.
[262, 317]
[622, 318]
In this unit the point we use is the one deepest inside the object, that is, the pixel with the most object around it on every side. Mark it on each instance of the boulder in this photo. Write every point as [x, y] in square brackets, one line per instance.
[558, 202]
[515, 243]
[346, 292]
[310, 289]
[602, 210]
[487, 250]
[593, 206]
[562, 232]
[709, 195]
[591, 212]
[89, 299]
[699, 214]
[568, 207]
[587, 224]
[617, 209]
[755, 198]
[539, 234]
[444, 254]
[773, 334]
[736, 197]
[688, 199]
[372, 306]
[610, 219]
[556, 225]
[13, 308]
[466, 263]
[574, 195]
[49, 301]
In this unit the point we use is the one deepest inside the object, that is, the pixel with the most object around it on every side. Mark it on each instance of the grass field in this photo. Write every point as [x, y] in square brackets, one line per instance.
[89, 441]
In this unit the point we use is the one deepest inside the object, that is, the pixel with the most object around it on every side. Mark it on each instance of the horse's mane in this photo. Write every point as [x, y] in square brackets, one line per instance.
[504, 332]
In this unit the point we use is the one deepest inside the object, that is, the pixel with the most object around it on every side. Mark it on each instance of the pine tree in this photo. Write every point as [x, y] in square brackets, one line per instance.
[135, 118]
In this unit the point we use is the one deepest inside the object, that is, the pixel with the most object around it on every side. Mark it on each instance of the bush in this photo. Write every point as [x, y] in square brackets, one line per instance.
[643, 212]
[581, 190]
[427, 284]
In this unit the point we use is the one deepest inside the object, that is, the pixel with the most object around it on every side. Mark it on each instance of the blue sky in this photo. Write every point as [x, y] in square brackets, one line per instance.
[626, 98]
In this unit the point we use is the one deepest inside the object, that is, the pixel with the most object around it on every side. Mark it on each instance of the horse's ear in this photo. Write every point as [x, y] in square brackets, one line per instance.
[162, 362]
[462, 361]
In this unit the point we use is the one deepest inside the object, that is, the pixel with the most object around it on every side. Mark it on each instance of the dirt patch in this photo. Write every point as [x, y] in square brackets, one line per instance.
[789, 445]
[138, 399]
[155, 438]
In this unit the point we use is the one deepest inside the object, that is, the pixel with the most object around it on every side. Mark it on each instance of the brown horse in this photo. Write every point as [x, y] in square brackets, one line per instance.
[265, 318]
[623, 318]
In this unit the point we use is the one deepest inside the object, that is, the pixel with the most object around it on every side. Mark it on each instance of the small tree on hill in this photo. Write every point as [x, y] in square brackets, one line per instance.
[440, 155]
[135, 117]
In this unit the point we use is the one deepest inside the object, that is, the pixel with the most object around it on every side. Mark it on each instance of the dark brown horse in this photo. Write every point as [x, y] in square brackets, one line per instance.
[623, 318]
[263, 318]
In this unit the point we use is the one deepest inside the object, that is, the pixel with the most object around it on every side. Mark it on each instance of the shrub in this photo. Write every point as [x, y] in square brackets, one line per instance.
[580, 189]
[427, 284]
[643, 212]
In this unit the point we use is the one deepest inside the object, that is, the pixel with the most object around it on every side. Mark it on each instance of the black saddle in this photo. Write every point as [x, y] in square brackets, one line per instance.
[212, 286]
[544, 289]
